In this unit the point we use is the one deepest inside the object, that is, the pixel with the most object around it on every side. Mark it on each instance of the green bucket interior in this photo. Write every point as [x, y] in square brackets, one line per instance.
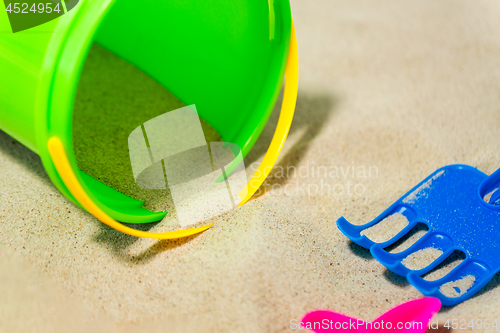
[226, 57]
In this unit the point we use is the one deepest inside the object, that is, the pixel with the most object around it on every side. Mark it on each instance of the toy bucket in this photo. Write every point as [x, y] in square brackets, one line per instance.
[227, 57]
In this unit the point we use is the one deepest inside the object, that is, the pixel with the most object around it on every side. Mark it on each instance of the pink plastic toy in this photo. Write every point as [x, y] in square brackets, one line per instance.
[410, 317]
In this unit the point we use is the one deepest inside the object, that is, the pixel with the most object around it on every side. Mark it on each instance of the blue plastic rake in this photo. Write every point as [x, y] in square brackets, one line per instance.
[450, 202]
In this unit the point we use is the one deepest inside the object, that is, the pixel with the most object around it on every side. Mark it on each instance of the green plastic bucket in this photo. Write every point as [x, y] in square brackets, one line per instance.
[227, 57]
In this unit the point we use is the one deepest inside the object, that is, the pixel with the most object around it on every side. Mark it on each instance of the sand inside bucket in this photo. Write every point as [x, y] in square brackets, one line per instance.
[113, 98]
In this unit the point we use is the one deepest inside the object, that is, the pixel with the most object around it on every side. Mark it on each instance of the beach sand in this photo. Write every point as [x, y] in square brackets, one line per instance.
[389, 91]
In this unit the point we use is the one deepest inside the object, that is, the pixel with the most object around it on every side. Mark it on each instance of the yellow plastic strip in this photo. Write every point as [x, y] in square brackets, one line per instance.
[284, 122]
[63, 167]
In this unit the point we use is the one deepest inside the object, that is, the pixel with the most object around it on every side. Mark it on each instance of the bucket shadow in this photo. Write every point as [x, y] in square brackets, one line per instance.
[25, 157]
[118, 243]
[311, 114]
